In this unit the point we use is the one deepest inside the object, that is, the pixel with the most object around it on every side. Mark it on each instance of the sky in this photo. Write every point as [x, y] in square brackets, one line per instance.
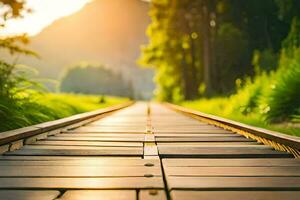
[44, 13]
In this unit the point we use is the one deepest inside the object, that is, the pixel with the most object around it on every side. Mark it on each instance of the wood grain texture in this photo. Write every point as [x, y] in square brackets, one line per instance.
[78, 171]
[232, 195]
[234, 183]
[152, 195]
[255, 162]
[82, 183]
[28, 194]
[99, 194]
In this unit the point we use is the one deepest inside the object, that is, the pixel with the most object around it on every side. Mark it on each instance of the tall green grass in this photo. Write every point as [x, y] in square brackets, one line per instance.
[32, 107]
[269, 100]
[284, 98]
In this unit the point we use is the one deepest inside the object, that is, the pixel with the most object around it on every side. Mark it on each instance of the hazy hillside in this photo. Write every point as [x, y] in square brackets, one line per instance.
[105, 31]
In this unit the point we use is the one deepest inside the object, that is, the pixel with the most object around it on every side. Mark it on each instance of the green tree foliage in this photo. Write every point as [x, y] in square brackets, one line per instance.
[92, 79]
[11, 78]
[10, 9]
[210, 42]
[230, 48]
[174, 49]
[284, 98]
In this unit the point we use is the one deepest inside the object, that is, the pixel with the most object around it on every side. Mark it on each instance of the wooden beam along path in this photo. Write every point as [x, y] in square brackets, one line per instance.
[147, 151]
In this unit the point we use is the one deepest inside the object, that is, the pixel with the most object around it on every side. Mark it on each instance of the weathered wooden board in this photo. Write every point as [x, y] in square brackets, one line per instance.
[79, 152]
[150, 149]
[89, 143]
[206, 143]
[52, 147]
[190, 131]
[78, 171]
[232, 171]
[28, 194]
[234, 183]
[99, 194]
[71, 158]
[221, 145]
[117, 130]
[220, 152]
[82, 162]
[82, 183]
[186, 129]
[235, 195]
[99, 139]
[203, 139]
[266, 162]
[152, 195]
[178, 135]
[105, 135]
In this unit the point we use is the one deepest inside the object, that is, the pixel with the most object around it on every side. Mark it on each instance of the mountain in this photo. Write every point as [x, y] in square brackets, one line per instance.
[104, 31]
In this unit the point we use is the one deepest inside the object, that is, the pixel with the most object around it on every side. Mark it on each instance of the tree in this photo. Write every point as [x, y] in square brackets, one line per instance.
[11, 9]
[9, 80]
[209, 42]
[174, 49]
[95, 79]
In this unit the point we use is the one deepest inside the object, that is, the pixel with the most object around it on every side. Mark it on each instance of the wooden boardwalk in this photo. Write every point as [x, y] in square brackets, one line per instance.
[147, 152]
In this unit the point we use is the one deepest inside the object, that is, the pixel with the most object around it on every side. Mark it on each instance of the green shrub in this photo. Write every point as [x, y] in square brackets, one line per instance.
[284, 98]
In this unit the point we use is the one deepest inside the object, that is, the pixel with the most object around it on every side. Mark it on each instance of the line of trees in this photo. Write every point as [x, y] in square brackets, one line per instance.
[202, 47]
[88, 78]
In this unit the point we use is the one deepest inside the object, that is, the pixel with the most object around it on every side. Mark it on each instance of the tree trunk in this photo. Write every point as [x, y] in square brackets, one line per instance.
[206, 49]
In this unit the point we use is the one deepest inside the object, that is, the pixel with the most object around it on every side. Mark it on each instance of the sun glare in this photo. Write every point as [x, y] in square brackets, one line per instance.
[44, 13]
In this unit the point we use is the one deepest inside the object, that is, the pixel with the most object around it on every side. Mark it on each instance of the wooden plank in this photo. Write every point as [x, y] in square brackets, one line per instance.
[83, 162]
[205, 143]
[220, 145]
[51, 147]
[233, 171]
[152, 195]
[72, 158]
[100, 123]
[79, 152]
[99, 194]
[151, 157]
[95, 139]
[190, 131]
[89, 143]
[116, 130]
[82, 183]
[110, 128]
[209, 127]
[28, 194]
[196, 135]
[234, 183]
[267, 162]
[204, 139]
[150, 149]
[21, 133]
[186, 129]
[78, 171]
[149, 138]
[105, 135]
[230, 195]
[220, 152]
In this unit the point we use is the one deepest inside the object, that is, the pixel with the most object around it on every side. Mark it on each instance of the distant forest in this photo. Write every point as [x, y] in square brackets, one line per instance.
[207, 47]
[95, 79]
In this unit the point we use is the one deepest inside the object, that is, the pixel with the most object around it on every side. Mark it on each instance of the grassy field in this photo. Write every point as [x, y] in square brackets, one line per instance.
[38, 108]
[226, 108]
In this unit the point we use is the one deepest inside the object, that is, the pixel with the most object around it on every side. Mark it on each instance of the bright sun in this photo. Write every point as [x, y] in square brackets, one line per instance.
[44, 13]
